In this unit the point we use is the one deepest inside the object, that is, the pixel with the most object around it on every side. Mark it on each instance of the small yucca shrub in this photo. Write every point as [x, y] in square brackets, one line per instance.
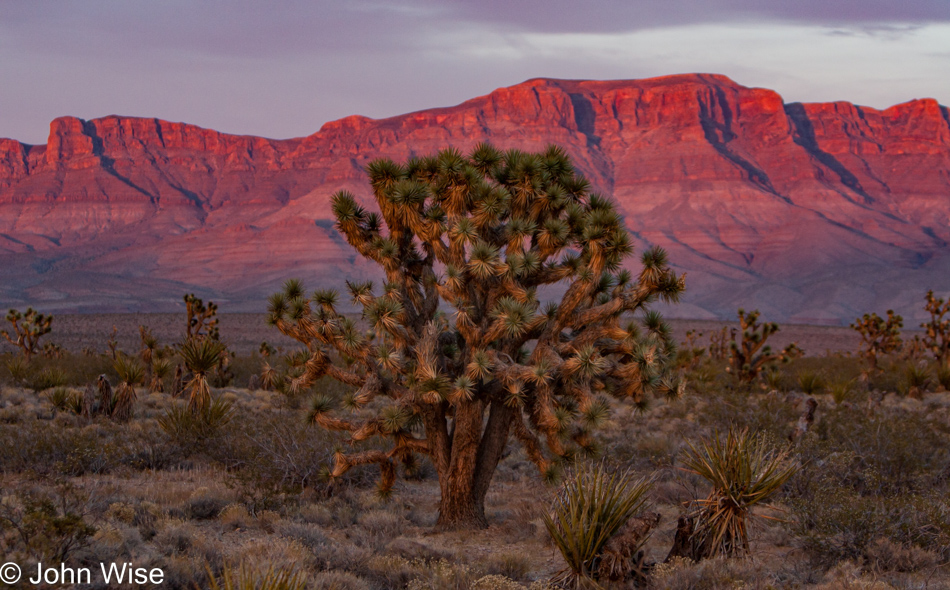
[19, 370]
[131, 373]
[247, 579]
[590, 508]
[841, 390]
[66, 400]
[745, 471]
[943, 377]
[201, 357]
[161, 367]
[916, 380]
[48, 378]
[180, 423]
[811, 383]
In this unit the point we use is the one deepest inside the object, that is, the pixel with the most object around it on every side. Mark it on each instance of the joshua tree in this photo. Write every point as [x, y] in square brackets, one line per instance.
[750, 354]
[201, 325]
[28, 328]
[937, 339]
[482, 234]
[690, 352]
[879, 336]
[202, 320]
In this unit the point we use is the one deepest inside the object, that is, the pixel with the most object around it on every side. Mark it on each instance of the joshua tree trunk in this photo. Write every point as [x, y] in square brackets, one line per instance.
[467, 460]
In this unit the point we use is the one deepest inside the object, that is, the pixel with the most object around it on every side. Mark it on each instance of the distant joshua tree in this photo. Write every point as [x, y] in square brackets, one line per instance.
[28, 328]
[879, 335]
[749, 354]
[937, 339]
[482, 233]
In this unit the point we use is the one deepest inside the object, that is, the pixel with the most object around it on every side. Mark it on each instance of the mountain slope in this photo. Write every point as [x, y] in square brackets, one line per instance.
[810, 212]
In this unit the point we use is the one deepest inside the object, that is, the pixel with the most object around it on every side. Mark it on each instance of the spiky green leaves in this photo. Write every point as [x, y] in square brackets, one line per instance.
[347, 212]
[744, 471]
[130, 371]
[320, 405]
[201, 356]
[592, 505]
[587, 363]
[484, 261]
[514, 316]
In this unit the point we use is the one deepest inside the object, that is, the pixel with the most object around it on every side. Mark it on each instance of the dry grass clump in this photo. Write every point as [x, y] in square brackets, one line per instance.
[338, 581]
[711, 574]
[246, 578]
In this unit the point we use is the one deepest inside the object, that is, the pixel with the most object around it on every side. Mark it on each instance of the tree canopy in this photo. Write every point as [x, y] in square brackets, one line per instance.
[457, 351]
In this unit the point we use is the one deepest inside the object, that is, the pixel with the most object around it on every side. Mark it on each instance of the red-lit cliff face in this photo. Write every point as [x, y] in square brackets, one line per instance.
[810, 212]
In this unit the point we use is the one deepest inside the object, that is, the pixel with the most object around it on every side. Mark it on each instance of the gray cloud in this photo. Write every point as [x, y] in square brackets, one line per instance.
[282, 67]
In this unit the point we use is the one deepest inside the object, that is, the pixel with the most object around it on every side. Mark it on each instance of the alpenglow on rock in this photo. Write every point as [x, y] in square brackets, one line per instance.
[807, 212]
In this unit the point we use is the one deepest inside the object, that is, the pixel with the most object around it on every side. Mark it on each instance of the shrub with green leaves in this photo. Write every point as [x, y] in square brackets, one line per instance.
[131, 374]
[201, 356]
[592, 505]
[187, 427]
[745, 471]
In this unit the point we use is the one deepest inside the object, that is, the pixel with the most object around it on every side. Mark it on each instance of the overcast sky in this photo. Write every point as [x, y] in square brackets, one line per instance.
[282, 68]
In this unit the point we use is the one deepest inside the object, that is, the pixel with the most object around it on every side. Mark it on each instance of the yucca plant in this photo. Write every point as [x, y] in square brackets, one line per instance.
[593, 504]
[810, 382]
[201, 357]
[147, 352]
[247, 579]
[745, 471]
[66, 400]
[46, 379]
[19, 370]
[943, 377]
[917, 380]
[181, 424]
[131, 373]
[161, 367]
[841, 389]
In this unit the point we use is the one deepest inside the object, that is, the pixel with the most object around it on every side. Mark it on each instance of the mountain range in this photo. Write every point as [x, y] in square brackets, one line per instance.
[810, 212]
